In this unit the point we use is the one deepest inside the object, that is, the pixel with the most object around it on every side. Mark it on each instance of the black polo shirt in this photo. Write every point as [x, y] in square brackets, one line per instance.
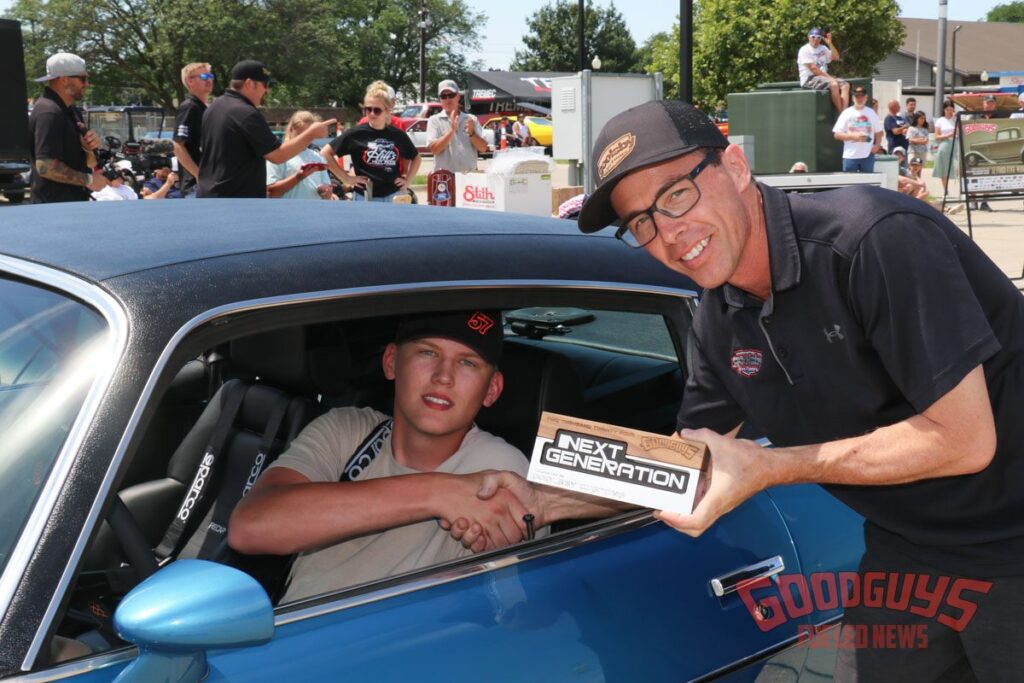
[54, 133]
[234, 139]
[188, 129]
[879, 307]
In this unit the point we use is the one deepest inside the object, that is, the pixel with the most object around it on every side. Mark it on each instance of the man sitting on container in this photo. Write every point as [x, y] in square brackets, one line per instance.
[813, 60]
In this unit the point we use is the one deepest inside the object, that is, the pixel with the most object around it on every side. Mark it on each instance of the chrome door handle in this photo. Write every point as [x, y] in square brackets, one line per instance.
[733, 581]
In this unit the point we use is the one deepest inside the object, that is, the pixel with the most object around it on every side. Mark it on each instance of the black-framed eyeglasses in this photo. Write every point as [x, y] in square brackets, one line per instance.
[376, 111]
[448, 95]
[674, 202]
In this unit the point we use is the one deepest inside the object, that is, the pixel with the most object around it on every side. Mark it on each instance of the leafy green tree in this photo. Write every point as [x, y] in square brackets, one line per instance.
[738, 44]
[552, 42]
[1011, 11]
[661, 53]
[319, 51]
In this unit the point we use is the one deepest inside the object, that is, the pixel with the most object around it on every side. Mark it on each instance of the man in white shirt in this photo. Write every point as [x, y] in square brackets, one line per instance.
[860, 130]
[116, 190]
[813, 60]
[453, 136]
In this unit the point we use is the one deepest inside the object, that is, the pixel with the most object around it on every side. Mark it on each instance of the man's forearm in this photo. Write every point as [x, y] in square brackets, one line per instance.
[185, 159]
[438, 145]
[59, 172]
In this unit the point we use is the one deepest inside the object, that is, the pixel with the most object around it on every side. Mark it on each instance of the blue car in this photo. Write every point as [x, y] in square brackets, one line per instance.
[123, 327]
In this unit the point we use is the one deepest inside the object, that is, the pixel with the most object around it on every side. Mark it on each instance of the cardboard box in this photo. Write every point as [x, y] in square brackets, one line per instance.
[518, 193]
[628, 465]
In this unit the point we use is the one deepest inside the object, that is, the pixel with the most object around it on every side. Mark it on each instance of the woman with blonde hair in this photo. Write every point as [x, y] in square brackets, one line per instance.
[304, 176]
[377, 150]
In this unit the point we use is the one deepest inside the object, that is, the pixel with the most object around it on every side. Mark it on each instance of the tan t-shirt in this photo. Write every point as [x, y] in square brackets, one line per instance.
[320, 453]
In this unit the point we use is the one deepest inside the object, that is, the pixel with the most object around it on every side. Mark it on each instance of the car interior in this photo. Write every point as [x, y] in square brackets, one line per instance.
[246, 398]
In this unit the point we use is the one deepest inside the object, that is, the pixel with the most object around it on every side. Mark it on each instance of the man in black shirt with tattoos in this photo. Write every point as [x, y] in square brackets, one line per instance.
[63, 149]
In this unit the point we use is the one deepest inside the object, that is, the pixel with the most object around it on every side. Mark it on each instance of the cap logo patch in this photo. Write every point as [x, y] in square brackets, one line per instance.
[479, 322]
[614, 154]
[746, 362]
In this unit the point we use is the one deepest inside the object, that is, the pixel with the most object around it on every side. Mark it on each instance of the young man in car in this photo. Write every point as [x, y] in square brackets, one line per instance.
[879, 347]
[444, 368]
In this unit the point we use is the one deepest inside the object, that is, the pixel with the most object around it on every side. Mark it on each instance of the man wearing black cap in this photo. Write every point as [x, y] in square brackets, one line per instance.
[860, 130]
[429, 465]
[877, 345]
[236, 139]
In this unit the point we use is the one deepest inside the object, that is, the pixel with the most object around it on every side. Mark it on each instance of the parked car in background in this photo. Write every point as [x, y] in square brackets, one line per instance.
[418, 110]
[540, 130]
[118, 350]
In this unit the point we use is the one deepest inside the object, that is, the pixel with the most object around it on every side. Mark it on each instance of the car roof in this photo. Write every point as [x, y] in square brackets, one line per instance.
[198, 254]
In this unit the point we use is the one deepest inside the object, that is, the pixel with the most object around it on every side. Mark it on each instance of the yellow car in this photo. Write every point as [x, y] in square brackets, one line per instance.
[540, 129]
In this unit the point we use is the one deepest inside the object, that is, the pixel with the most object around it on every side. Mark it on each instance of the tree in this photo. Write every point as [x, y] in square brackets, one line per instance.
[553, 39]
[318, 51]
[661, 53]
[738, 44]
[1011, 11]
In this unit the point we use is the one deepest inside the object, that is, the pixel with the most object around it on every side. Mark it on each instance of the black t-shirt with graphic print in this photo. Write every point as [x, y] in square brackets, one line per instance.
[880, 306]
[188, 130]
[376, 154]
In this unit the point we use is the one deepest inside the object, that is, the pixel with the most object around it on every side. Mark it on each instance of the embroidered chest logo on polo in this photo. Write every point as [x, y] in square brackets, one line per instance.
[746, 362]
[614, 154]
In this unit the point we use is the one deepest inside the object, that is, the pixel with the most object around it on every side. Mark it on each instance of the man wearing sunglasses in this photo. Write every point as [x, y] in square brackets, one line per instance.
[188, 123]
[453, 136]
[236, 140]
[62, 149]
[878, 347]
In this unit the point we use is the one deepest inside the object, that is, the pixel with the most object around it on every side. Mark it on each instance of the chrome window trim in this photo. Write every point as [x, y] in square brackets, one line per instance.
[116, 319]
[273, 302]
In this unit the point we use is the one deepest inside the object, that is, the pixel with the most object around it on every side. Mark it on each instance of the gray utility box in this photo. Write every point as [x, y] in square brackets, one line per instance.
[580, 106]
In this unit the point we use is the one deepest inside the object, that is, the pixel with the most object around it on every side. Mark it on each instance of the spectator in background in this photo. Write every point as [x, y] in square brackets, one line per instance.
[396, 121]
[376, 149]
[508, 133]
[798, 167]
[911, 111]
[917, 135]
[188, 123]
[860, 131]
[813, 60]
[304, 176]
[522, 131]
[895, 129]
[162, 185]
[237, 140]
[453, 136]
[908, 183]
[989, 107]
[116, 189]
[945, 157]
[62, 148]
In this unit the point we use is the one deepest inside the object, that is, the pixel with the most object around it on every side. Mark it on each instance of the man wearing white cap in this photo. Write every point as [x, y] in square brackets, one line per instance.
[453, 136]
[62, 148]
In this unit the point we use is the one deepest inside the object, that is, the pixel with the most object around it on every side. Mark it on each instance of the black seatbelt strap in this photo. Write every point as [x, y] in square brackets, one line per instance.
[368, 450]
[216, 530]
[192, 503]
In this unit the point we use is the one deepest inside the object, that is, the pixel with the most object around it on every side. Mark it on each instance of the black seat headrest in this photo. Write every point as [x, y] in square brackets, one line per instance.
[305, 360]
[535, 380]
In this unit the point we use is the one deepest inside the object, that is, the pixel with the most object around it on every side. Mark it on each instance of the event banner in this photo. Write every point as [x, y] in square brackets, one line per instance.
[993, 154]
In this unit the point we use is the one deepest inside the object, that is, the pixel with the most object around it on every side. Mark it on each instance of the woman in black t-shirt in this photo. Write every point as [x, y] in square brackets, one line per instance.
[384, 159]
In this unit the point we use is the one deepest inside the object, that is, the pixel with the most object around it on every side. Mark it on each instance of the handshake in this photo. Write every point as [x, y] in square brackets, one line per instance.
[494, 509]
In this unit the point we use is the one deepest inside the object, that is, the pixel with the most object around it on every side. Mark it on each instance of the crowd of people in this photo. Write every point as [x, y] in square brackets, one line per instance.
[227, 149]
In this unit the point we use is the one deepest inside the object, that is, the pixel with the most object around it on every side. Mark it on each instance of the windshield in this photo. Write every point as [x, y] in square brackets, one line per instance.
[50, 348]
[147, 124]
[411, 112]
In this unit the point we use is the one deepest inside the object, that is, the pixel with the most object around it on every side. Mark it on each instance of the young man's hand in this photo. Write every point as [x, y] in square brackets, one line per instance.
[498, 519]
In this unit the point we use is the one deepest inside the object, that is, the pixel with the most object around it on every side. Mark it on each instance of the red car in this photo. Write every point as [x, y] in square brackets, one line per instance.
[418, 110]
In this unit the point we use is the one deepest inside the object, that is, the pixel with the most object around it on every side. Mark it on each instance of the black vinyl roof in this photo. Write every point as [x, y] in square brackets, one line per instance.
[197, 254]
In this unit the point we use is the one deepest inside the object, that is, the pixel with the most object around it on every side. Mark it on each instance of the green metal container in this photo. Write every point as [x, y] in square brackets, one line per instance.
[789, 124]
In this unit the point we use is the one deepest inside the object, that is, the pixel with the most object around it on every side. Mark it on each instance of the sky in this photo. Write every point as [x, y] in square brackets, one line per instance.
[506, 21]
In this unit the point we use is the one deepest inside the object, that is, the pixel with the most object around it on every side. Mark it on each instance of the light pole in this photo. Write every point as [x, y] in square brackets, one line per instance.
[940, 82]
[424, 23]
[580, 26]
[686, 50]
[952, 85]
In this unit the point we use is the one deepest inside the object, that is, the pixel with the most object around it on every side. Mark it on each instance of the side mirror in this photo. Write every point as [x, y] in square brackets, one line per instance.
[185, 609]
